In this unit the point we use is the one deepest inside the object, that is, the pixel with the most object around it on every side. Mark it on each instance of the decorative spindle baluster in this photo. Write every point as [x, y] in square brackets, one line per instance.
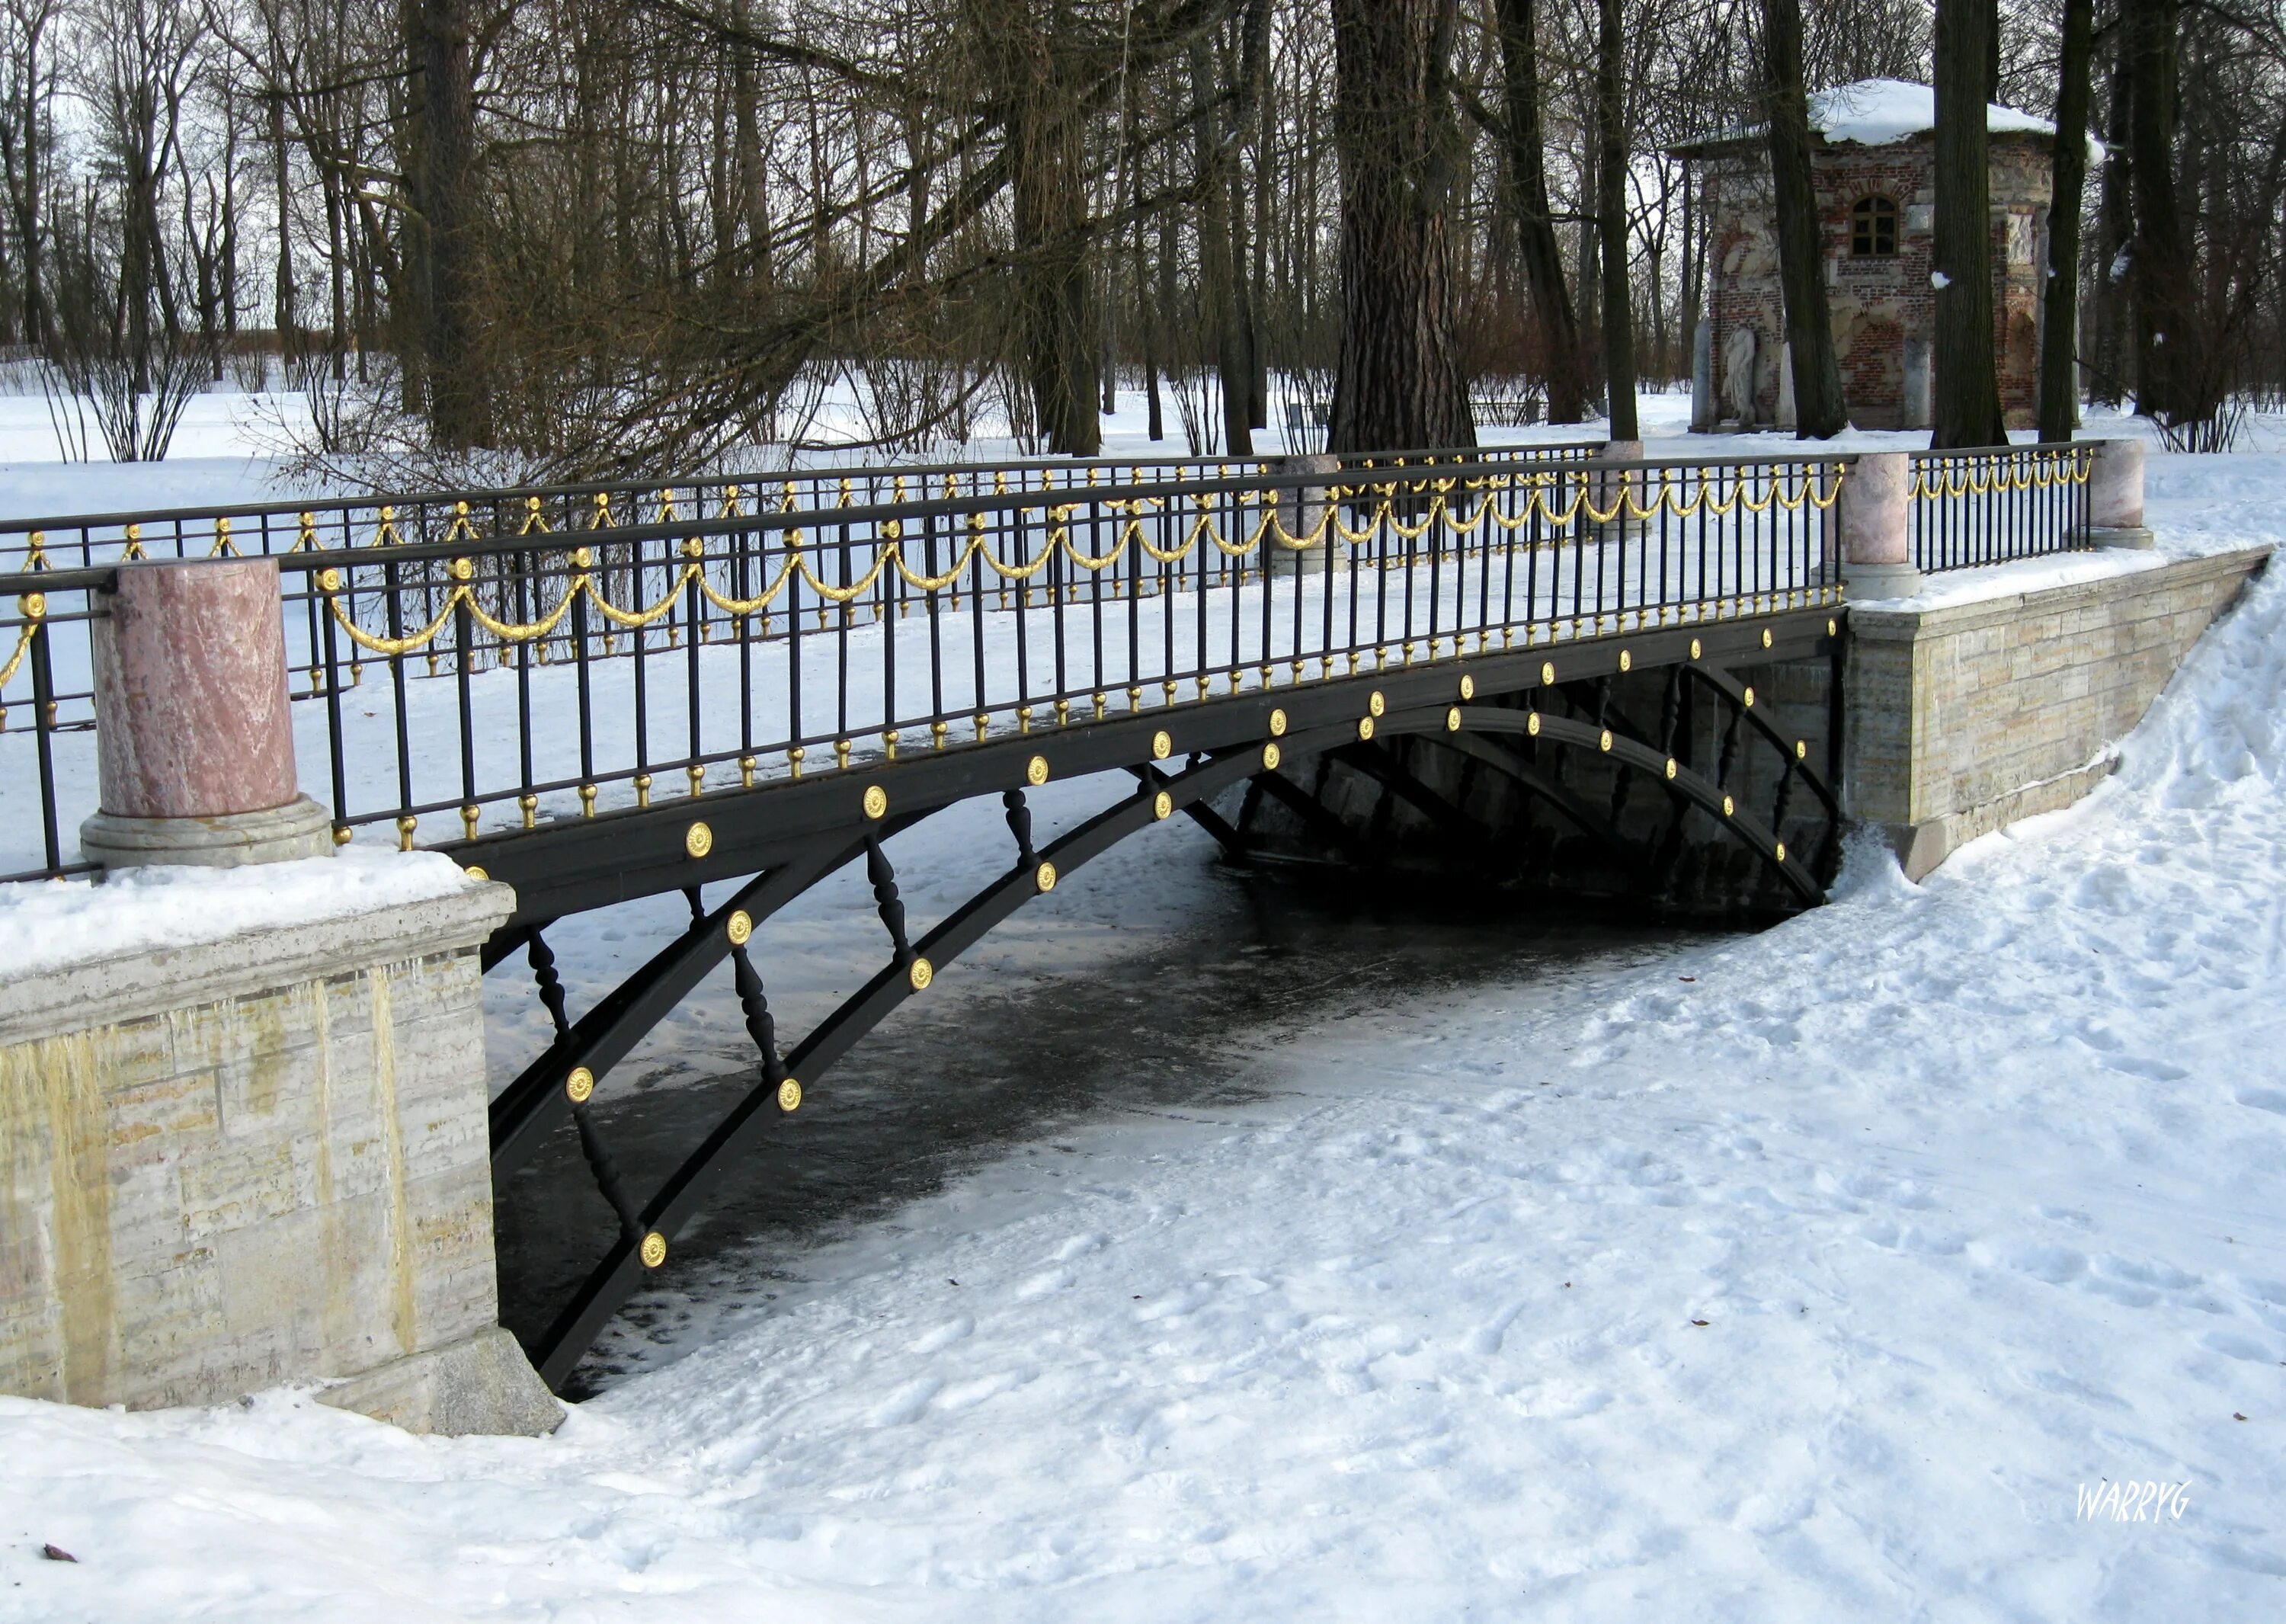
[1020, 825]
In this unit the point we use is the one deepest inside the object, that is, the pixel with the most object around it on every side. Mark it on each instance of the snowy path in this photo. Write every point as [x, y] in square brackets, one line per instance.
[1979, 1186]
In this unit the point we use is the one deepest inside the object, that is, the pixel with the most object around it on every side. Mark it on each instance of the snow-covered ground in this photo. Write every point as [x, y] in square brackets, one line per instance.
[1815, 1274]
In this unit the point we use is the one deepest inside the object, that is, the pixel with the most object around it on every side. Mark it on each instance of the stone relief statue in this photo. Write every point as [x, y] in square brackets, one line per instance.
[1738, 375]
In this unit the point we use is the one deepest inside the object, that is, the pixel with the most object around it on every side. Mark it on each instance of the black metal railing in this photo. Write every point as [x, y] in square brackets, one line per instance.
[83, 540]
[1998, 503]
[46, 725]
[510, 681]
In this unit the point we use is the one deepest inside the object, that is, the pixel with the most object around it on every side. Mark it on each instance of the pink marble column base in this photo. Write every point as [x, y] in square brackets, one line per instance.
[1877, 559]
[194, 742]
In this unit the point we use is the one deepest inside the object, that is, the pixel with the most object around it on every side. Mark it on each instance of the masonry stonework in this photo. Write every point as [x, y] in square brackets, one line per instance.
[1963, 719]
[1882, 304]
[260, 1160]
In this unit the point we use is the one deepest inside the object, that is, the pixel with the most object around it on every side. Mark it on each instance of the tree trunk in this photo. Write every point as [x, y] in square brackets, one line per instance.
[1219, 266]
[2159, 256]
[1612, 221]
[1966, 385]
[1399, 384]
[2116, 223]
[2067, 173]
[460, 396]
[1049, 211]
[1820, 409]
[1564, 363]
[753, 174]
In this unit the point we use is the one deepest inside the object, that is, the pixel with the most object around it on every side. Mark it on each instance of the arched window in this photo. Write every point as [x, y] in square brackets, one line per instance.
[1873, 227]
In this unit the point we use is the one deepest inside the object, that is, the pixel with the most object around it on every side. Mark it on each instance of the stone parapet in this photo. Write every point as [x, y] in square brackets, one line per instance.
[1966, 717]
[260, 1160]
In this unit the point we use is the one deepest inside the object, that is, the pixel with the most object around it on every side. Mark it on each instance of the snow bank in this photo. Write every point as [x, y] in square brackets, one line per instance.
[43, 926]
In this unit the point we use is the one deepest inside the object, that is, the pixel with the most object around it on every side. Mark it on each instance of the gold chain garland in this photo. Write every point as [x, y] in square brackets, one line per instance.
[1468, 516]
[2043, 470]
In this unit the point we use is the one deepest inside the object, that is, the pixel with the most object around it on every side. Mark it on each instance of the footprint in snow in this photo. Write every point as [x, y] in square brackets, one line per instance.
[1043, 1284]
[2156, 1071]
[907, 1404]
[2264, 1098]
[2053, 1264]
[944, 1335]
[2234, 1345]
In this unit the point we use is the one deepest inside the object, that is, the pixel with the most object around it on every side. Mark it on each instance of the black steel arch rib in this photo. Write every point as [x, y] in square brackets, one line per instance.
[680, 1196]
[1685, 782]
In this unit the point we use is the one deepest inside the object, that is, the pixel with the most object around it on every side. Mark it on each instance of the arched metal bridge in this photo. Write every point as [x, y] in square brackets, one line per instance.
[1522, 658]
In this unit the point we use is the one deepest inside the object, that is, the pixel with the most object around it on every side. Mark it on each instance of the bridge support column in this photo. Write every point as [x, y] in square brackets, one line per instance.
[194, 740]
[2115, 495]
[1608, 486]
[1875, 520]
[260, 1158]
[1300, 511]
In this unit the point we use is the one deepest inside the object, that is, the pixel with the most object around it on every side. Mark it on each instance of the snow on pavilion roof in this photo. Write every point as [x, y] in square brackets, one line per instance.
[1883, 112]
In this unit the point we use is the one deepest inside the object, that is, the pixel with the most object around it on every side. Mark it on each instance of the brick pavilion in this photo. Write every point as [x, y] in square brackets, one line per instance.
[1873, 163]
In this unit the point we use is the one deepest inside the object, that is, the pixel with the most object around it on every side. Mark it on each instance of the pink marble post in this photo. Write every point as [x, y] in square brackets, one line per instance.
[194, 741]
[2115, 494]
[1876, 509]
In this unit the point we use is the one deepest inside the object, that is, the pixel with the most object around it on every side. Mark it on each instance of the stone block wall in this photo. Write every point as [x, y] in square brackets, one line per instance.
[257, 1161]
[1965, 718]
